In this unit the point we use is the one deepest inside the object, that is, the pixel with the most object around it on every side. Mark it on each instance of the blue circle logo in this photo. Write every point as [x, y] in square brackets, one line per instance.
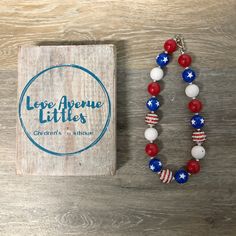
[77, 136]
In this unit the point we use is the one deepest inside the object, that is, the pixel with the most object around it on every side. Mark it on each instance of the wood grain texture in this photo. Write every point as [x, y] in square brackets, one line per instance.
[39, 153]
[133, 202]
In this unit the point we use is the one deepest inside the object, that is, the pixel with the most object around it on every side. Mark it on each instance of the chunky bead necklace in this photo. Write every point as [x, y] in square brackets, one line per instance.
[197, 121]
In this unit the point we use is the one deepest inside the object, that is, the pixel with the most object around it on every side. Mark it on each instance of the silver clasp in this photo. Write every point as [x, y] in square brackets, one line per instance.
[180, 42]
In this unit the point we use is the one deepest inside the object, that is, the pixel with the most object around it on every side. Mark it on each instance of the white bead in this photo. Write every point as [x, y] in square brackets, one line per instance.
[192, 90]
[198, 152]
[156, 73]
[150, 134]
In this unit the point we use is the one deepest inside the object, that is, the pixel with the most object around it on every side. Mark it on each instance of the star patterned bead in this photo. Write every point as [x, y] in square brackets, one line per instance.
[153, 104]
[155, 165]
[197, 121]
[162, 59]
[181, 176]
[188, 75]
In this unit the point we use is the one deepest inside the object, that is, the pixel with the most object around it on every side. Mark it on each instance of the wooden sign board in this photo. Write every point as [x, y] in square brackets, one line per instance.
[66, 122]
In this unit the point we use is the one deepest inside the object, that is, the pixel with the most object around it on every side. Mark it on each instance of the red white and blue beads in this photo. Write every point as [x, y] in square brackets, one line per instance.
[197, 121]
[162, 59]
[155, 165]
[166, 176]
[188, 75]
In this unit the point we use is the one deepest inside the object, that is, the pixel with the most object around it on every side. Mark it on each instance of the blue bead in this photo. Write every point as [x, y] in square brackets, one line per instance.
[197, 121]
[162, 59]
[153, 104]
[188, 75]
[155, 165]
[181, 176]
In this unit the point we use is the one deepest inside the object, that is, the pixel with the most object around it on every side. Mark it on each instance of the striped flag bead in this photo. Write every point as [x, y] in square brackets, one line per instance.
[166, 176]
[151, 119]
[199, 136]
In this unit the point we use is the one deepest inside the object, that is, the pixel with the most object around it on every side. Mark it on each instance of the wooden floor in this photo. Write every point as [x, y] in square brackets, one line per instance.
[133, 202]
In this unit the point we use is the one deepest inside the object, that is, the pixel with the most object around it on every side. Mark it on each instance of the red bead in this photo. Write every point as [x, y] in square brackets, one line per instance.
[184, 60]
[154, 88]
[195, 106]
[193, 167]
[151, 149]
[170, 45]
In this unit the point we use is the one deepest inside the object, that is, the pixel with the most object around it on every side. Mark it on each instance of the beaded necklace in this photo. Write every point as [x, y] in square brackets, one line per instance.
[195, 106]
